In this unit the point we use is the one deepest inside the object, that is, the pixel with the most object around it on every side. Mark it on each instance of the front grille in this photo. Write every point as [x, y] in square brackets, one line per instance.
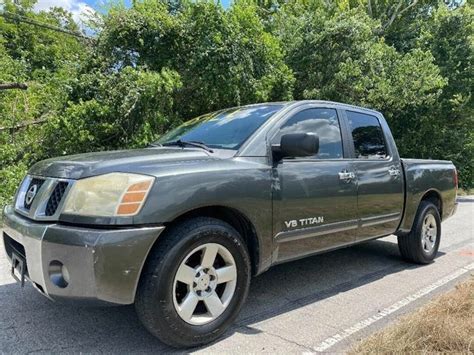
[49, 197]
[29, 201]
[55, 198]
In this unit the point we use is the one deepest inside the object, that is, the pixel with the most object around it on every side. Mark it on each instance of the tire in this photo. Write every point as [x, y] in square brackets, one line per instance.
[161, 293]
[421, 245]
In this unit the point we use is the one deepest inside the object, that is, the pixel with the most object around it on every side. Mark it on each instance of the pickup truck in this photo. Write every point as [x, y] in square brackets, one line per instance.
[180, 227]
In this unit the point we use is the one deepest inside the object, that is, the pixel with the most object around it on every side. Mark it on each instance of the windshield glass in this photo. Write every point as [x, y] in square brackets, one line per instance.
[227, 129]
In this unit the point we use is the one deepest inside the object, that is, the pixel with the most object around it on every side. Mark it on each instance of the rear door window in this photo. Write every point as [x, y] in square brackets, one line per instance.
[367, 134]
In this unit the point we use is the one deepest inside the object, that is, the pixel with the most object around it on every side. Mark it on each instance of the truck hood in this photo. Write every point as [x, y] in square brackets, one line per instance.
[145, 161]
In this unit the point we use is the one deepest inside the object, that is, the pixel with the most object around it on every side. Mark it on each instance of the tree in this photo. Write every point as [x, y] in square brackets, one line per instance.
[129, 108]
[421, 82]
[44, 59]
[342, 58]
[224, 58]
[448, 35]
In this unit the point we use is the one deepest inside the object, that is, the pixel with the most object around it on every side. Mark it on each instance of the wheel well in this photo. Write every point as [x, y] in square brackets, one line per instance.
[236, 219]
[434, 198]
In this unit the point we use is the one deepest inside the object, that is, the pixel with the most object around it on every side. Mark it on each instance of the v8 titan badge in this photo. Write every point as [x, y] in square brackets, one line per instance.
[304, 222]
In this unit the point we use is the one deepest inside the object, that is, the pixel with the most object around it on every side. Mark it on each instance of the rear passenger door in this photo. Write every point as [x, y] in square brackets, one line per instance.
[379, 178]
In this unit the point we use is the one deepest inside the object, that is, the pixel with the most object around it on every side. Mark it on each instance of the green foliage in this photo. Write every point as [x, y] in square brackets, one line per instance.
[47, 61]
[450, 39]
[130, 108]
[417, 70]
[224, 57]
[157, 63]
[442, 129]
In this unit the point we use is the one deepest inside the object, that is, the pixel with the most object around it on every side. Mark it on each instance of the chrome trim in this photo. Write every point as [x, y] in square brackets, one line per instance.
[346, 175]
[297, 234]
[394, 171]
[372, 221]
[336, 227]
[37, 210]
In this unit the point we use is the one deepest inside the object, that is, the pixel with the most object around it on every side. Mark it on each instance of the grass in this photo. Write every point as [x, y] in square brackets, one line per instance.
[446, 324]
[467, 192]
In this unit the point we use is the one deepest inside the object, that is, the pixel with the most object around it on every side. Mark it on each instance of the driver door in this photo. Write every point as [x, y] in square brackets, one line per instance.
[314, 198]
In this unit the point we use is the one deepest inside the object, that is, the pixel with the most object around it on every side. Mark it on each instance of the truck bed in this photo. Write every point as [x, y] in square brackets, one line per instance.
[439, 175]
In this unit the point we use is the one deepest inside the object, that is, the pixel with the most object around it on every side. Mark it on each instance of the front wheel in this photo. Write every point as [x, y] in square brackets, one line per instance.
[194, 283]
[421, 244]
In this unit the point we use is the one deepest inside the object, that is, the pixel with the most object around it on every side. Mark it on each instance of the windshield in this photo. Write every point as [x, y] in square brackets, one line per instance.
[227, 129]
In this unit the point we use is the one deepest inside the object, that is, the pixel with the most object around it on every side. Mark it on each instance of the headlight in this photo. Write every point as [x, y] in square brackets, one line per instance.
[115, 194]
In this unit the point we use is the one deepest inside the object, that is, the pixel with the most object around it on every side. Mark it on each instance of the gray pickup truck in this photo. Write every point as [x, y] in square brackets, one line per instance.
[180, 227]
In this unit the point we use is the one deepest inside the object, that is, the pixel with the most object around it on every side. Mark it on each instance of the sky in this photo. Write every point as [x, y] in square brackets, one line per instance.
[80, 7]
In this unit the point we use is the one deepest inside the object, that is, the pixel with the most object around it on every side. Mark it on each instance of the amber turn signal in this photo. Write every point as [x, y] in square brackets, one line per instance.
[133, 198]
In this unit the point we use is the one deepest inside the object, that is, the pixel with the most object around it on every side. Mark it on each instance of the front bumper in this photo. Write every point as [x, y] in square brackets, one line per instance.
[97, 264]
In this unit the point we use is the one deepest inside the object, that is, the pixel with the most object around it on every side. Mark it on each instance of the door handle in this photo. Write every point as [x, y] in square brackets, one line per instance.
[393, 171]
[346, 175]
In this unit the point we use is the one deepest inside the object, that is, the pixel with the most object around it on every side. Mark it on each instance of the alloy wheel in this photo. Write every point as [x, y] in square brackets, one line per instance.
[429, 233]
[204, 284]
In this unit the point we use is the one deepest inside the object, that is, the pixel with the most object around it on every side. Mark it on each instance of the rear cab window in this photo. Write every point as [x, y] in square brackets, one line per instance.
[368, 137]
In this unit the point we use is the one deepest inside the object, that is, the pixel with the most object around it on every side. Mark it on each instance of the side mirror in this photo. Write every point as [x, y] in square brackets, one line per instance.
[297, 145]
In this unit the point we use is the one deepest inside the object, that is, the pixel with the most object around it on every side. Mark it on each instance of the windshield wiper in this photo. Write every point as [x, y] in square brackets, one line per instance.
[183, 144]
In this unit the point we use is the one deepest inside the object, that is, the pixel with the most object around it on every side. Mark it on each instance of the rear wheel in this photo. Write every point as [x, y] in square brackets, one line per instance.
[194, 283]
[421, 244]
